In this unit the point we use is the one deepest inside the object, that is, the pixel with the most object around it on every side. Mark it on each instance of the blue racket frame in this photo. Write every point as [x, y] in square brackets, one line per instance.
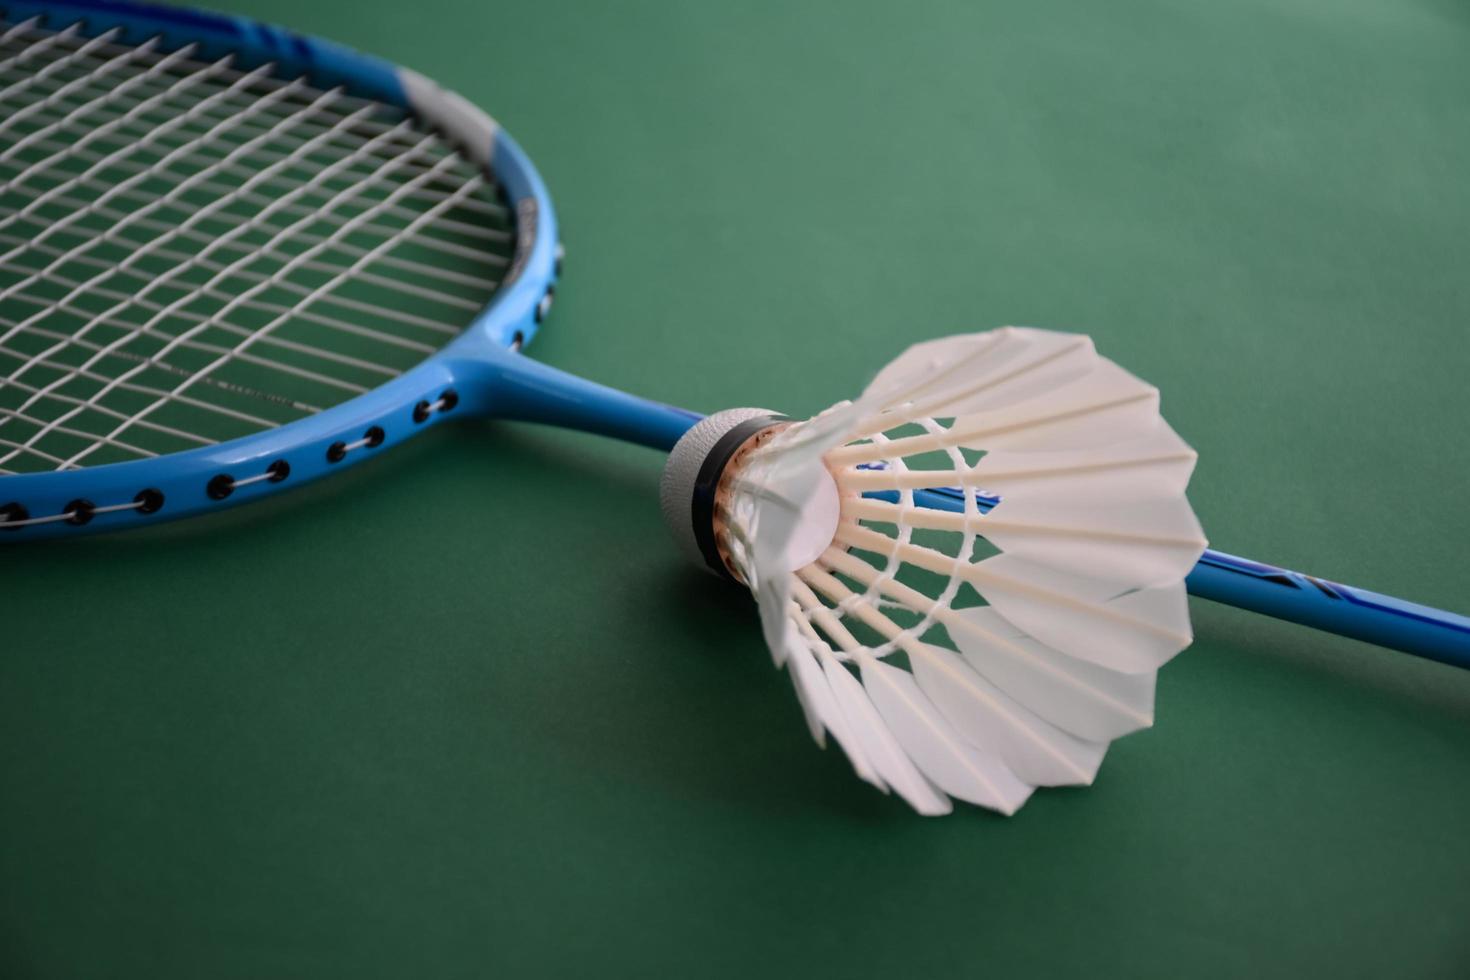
[481, 372]
[477, 373]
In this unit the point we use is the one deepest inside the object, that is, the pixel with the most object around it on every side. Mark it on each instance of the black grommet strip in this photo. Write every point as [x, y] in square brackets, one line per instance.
[79, 511]
[149, 501]
[278, 470]
[220, 487]
[336, 452]
[544, 307]
[375, 436]
[13, 512]
[703, 505]
[443, 403]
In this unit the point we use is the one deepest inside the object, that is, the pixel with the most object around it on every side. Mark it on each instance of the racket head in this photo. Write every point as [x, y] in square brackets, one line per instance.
[455, 380]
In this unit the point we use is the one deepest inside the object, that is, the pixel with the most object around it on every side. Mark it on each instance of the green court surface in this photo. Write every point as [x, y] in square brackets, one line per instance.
[462, 712]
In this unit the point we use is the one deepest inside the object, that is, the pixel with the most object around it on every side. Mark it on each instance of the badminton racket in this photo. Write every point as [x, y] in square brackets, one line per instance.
[234, 260]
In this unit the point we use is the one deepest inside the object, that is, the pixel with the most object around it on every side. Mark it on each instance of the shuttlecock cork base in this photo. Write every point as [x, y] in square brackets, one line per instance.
[692, 474]
[981, 648]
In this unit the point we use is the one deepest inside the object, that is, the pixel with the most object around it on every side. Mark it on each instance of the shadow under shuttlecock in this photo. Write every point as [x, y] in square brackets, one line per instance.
[688, 704]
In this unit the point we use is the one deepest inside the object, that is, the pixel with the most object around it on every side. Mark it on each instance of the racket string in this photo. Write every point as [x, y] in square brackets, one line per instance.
[137, 256]
[36, 38]
[408, 265]
[113, 141]
[92, 134]
[386, 338]
[171, 120]
[22, 80]
[17, 448]
[89, 242]
[254, 421]
[349, 250]
[448, 245]
[255, 337]
[97, 173]
[246, 274]
[43, 138]
[111, 412]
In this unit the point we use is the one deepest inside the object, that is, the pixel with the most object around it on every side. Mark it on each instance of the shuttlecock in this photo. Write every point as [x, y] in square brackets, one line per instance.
[978, 651]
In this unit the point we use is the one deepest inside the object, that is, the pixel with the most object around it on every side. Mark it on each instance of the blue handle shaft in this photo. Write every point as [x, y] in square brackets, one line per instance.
[1341, 609]
[1297, 598]
[531, 391]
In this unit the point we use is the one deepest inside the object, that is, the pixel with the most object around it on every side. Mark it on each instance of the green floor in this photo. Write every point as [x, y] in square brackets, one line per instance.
[464, 713]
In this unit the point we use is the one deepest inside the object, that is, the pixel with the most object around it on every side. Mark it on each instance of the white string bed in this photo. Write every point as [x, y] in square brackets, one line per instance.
[194, 250]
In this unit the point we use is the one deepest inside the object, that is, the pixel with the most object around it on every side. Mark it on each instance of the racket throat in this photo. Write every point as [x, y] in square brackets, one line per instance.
[529, 391]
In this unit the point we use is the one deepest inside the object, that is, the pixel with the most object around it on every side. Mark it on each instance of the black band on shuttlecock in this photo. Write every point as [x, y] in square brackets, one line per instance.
[702, 507]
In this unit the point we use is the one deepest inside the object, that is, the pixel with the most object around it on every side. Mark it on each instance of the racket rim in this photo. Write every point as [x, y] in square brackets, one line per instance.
[453, 381]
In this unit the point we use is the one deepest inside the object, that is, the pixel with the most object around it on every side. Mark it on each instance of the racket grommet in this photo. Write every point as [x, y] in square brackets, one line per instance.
[80, 512]
[421, 412]
[450, 398]
[149, 500]
[220, 487]
[278, 470]
[336, 452]
[375, 436]
[561, 255]
[13, 513]
[544, 307]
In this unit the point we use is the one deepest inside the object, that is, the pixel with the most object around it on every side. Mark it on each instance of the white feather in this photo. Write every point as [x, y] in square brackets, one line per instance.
[801, 663]
[1106, 405]
[821, 708]
[879, 745]
[1135, 632]
[1128, 546]
[925, 362]
[773, 596]
[1089, 701]
[1158, 464]
[1034, 749]
[960, 375]
[1138, 545]
[861, 731]
[940, 752]
[1079, 615]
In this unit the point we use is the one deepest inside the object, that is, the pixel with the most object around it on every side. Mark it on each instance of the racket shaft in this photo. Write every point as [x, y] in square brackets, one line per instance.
[1297, 598]
[526, 390]
[1344, 610]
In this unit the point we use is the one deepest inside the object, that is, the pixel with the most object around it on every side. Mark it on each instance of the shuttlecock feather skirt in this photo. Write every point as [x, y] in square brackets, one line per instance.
[967, 654]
